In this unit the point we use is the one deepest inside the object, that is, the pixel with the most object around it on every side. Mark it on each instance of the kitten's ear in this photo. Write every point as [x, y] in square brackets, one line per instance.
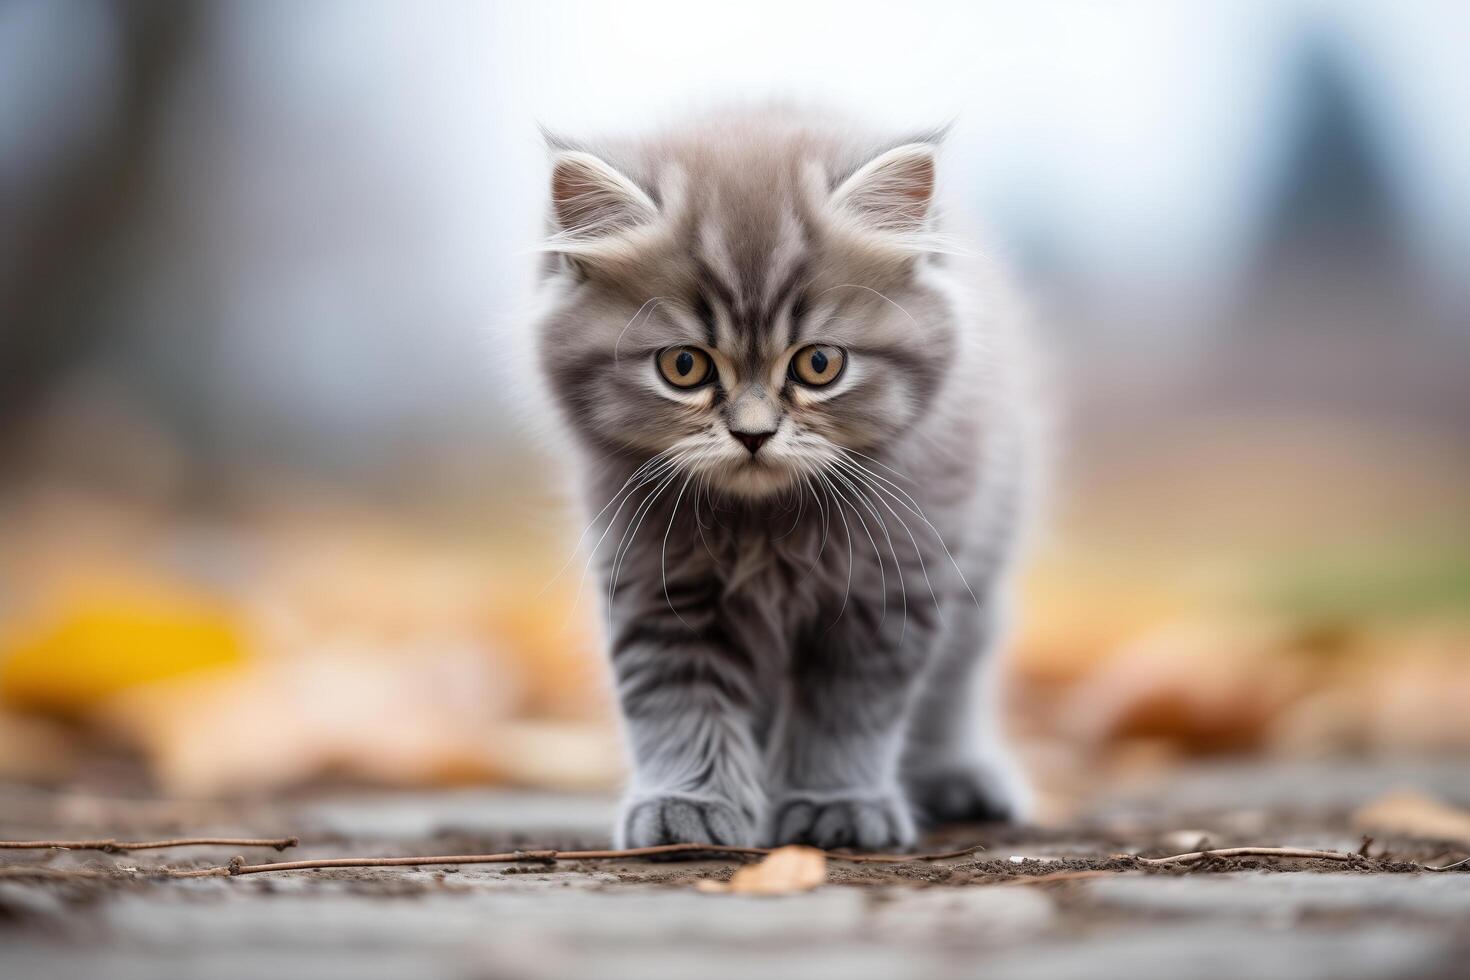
[893, 191]
[591, 199]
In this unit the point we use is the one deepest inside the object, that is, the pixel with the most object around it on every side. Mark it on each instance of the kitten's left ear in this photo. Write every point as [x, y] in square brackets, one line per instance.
[893, 191]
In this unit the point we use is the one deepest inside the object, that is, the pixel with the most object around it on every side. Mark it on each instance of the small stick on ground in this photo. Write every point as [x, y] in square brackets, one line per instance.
[1230, 852]
[42, 872]
[114, 846]
[239, 867]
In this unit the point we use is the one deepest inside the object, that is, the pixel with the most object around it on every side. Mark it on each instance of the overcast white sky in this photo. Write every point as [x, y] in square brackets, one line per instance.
[367, 176]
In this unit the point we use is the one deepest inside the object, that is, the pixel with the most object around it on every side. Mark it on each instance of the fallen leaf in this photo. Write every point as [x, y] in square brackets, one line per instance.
[286, 720]
[36, 749]
[1201, 685]
[782, 872]
[97, 645]
[1414, 814]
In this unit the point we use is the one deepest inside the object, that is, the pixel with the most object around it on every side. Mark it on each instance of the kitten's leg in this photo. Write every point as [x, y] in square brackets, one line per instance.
[687, 705]
[835, 755]
[955, 764]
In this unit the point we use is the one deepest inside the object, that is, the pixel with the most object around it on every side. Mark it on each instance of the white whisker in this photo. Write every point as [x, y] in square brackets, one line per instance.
[918, 552]
[826, 520]
[702, 490]
[882, 573]
[626, 541]
[854, 285]
[878, 484]
[663, 554]
[627, 487]
[654, 300]
[863, 493]
[822, 478]
[626, 493]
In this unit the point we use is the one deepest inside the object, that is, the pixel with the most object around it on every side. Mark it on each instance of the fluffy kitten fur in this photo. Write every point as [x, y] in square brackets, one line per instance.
[800, 635]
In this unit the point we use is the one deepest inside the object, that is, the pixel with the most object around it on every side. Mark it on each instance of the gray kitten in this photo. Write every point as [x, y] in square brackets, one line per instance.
[805, 440]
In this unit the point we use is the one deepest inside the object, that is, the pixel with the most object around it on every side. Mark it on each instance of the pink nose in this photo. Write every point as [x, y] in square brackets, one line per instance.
[751, 440]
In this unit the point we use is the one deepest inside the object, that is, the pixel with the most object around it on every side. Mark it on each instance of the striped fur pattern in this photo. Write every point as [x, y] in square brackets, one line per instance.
[802, 636]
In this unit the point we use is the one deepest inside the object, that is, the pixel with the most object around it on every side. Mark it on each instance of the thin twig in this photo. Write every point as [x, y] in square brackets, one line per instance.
[239, 867]
[905, 858]
[48, 872]
[1228, 852]
[1449, 867]
[116, 846]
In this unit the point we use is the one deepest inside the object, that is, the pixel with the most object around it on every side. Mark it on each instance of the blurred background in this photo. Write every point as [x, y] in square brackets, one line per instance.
[281, 508]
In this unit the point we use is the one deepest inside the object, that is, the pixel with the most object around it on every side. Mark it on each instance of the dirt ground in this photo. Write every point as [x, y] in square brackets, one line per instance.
[1050, 902]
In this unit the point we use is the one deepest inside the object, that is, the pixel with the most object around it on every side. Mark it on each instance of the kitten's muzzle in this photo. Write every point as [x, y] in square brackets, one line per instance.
[752, 440]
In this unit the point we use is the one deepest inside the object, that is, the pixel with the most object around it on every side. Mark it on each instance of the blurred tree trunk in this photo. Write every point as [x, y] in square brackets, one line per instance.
[82, 209]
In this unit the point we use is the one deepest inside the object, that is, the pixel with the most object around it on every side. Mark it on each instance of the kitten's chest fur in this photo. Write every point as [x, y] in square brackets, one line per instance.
[772, 556]
[767, 575]
[776, 561]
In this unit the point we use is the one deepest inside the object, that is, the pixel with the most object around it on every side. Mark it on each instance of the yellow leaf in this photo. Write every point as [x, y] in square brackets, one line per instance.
[99, 645]
[782, 872]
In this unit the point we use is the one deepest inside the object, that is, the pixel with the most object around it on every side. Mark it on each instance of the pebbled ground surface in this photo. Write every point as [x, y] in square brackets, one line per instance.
[1047, 903]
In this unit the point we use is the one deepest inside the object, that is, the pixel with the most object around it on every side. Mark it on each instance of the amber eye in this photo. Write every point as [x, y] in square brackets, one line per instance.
[817, 365]
[684, 367]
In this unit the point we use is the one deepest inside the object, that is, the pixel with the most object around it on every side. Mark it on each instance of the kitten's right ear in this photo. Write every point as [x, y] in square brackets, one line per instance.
[591, 199]
[893, 191]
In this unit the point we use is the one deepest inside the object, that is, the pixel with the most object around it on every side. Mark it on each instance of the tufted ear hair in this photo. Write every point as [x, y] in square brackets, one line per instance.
[590, 199]
[893, 191]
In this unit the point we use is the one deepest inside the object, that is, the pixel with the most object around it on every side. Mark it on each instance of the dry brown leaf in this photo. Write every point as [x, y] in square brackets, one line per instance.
[782, 872]
[1414, 814]
[407, 713]
[36, 749]
[1202, 685]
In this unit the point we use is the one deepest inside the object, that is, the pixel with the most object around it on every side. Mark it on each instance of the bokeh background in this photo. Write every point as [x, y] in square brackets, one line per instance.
[279, 507]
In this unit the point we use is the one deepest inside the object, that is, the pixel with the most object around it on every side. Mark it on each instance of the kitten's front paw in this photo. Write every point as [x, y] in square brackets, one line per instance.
[968, 792]
[680, 818]
[867, 822]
